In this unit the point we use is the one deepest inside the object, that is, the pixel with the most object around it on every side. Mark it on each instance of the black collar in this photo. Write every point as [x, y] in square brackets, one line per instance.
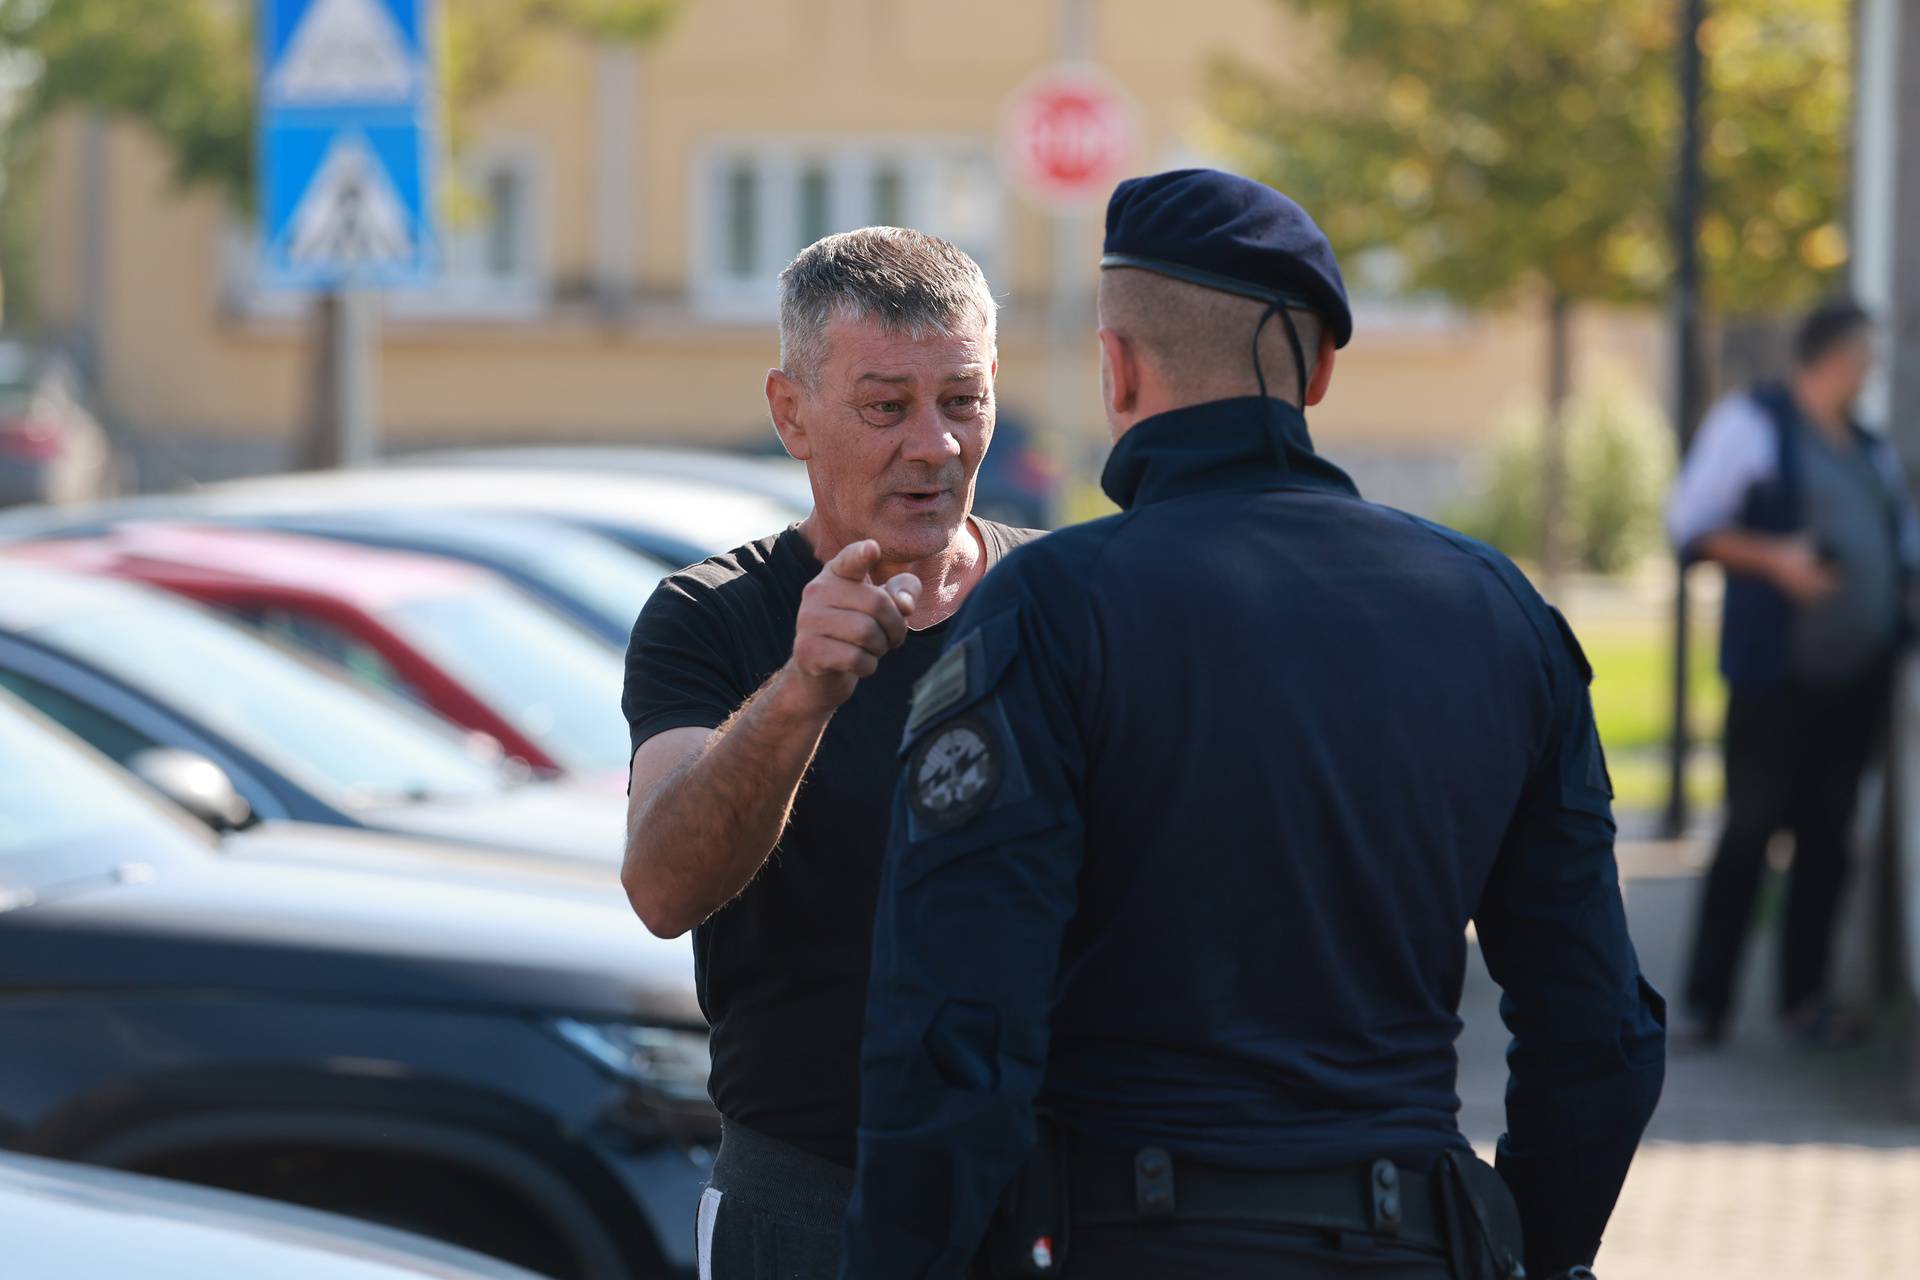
[1239, 445]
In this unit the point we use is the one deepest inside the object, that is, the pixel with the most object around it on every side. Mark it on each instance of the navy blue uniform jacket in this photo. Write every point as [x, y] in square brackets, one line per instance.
[1194, 813]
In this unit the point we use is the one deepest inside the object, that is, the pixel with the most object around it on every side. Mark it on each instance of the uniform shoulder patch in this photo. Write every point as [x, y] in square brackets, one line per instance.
[954, 774]
[944, 685]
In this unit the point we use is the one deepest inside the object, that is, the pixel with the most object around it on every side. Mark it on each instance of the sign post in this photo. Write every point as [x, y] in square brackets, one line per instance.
[346, 145]
[1067, 136]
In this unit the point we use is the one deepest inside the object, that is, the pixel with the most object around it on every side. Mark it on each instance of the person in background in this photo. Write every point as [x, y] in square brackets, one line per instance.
[1810, 518]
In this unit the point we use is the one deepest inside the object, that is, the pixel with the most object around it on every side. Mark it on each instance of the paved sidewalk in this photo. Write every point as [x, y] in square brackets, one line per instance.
[1764, 1159]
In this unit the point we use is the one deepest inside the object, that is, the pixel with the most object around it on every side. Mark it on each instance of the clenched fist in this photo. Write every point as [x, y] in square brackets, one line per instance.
[846, 625]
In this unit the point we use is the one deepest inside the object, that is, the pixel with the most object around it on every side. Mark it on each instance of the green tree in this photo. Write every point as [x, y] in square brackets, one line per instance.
[1525, 149]
[184, 68]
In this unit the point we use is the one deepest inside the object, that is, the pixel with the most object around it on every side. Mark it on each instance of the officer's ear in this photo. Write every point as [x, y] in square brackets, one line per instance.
[1120, 364]
[1322, 367]
[784, 397]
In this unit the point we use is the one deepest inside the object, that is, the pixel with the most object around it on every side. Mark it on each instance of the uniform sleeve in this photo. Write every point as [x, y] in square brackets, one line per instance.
[679, 673]
[1734, 451]
[1588, 1053]
[979, 885]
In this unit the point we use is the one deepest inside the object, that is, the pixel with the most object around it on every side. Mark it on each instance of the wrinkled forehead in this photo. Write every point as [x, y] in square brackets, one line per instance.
[865, 348]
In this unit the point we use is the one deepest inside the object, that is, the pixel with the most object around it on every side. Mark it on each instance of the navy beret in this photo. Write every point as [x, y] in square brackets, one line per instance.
[1230, 233]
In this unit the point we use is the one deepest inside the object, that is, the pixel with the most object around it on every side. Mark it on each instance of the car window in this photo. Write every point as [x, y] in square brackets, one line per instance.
[611, 580]
[111, 737]
[555, 682]
[330, 643]
[53, 794]
[325, 733]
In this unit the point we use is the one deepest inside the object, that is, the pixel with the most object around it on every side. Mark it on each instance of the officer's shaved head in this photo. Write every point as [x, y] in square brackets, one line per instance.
[907, 280]
[1199, 340]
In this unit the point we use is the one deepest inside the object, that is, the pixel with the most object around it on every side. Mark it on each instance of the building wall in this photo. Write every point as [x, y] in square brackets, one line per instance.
[612, 331]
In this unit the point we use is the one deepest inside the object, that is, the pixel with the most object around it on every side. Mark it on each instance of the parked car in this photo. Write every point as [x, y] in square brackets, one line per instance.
[483, 1059]
[451, 637]
[51, 448]
[674, 519]
[1019, 482]
[128, 668]
[597, 583]
[76, 1222]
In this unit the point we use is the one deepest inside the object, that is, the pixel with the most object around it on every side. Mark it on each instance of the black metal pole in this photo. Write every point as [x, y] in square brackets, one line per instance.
[1687, 379]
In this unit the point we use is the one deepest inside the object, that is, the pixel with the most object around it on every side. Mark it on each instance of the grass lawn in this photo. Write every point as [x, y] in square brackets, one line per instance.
[1632, 661]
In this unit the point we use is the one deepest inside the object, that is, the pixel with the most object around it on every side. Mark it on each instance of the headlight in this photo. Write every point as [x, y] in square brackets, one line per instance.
[673, 1064]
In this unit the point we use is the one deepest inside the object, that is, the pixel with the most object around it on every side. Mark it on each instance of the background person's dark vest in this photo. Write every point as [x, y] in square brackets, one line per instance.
[1756, 620]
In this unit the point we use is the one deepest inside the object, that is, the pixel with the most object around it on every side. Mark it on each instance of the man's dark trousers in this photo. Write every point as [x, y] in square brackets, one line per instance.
[1794, 756]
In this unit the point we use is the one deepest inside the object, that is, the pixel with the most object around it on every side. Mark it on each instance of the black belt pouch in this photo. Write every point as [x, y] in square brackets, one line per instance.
[1482, 1220]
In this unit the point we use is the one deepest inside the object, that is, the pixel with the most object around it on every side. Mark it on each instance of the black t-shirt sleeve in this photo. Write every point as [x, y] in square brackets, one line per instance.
[683, 668]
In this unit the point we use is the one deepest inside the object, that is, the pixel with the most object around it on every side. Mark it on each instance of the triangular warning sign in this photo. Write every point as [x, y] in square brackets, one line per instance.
[345, 51]
[350, 215]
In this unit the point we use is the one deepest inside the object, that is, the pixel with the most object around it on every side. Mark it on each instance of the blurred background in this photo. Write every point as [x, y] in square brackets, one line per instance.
[333, 474]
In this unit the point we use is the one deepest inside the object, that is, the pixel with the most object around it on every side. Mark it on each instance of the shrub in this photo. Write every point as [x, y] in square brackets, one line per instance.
[1619, 463]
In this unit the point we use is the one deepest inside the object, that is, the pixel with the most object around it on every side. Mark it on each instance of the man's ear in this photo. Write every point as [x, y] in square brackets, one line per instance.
[784, 397]
[1322, 368]
[1123, 373]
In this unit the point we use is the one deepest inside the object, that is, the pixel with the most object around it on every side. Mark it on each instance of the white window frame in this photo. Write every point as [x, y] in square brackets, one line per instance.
[779, 161]
[522, 296]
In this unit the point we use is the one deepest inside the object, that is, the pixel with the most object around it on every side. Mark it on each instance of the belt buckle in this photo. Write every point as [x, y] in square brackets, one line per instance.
[1383, 1186]
[1153, 1183]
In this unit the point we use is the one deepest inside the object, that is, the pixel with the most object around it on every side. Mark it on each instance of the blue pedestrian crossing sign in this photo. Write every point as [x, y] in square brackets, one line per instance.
[346, 142]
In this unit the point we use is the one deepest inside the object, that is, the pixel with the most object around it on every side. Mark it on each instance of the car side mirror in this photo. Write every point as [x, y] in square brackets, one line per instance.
[195, 783]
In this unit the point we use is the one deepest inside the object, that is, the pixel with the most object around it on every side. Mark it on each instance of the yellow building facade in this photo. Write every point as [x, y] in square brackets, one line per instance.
[628, 211]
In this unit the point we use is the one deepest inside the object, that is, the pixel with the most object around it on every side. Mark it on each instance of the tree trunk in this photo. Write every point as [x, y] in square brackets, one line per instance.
[1553, 453]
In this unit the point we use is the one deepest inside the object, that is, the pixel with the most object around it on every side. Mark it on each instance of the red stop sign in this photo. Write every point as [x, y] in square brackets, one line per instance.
[1070, 135]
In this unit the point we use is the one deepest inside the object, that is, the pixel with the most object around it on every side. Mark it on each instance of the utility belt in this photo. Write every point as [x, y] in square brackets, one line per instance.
[1460, 1211]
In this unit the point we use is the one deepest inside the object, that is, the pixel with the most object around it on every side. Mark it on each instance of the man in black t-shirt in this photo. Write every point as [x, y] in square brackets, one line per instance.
[795, 657]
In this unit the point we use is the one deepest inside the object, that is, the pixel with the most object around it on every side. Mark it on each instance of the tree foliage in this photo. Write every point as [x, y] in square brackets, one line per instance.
[1495, 147]
[184, 68]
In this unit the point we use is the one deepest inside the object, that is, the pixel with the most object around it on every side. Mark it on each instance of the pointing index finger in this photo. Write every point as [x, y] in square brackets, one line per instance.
[855, 559]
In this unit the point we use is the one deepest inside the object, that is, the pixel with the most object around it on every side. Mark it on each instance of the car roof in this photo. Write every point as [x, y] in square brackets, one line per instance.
[77, 1220]
[773, 476]
[713, 515]
[33, 593]
[710, 518]
[371, 577]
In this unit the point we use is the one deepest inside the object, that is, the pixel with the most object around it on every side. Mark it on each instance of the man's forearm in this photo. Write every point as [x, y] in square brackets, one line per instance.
[707, 827]
[1754, 554]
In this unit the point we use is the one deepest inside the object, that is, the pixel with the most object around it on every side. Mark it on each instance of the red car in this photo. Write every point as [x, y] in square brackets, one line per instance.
[451, 636]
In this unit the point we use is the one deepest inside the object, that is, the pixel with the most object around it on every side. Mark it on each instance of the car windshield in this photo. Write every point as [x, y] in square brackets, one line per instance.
[55, 794]
[322, 732]
[552, 680]
[606, 577]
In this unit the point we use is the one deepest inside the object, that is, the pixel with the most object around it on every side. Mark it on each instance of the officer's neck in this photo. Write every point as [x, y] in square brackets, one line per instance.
[1155, 402]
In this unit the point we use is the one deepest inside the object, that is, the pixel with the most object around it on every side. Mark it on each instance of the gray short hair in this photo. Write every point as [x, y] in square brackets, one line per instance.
[910, 281]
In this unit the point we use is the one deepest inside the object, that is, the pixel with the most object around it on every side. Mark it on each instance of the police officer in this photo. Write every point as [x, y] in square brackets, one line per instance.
[1194, 813]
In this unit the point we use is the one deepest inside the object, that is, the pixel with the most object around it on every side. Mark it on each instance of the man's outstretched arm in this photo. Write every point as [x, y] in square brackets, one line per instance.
[705, 807]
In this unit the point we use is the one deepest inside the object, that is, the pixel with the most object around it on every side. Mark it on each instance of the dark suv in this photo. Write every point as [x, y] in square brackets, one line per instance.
[490, 1052]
